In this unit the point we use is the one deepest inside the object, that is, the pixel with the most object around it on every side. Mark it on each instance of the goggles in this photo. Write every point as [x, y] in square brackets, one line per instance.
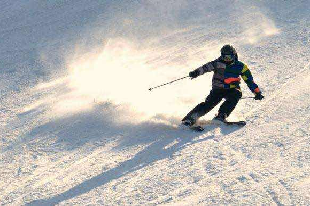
[228, 57]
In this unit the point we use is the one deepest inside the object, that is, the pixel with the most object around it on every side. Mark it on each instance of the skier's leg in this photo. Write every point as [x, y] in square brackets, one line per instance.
[232, 98]
[215, 96]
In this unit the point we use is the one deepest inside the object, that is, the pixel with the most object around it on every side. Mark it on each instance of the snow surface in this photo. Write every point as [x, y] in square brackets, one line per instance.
[78, 125]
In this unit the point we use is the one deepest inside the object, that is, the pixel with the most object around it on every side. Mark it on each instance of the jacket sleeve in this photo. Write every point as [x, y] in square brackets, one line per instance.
[208, 67]
[248, 78]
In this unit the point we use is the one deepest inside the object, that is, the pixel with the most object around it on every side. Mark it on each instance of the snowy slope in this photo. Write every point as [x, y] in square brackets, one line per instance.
[78, 125]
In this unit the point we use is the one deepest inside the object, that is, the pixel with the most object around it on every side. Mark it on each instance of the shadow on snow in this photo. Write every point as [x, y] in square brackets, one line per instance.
[96, 126]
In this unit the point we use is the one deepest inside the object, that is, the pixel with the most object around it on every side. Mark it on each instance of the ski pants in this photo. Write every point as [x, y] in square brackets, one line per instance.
[231, 96]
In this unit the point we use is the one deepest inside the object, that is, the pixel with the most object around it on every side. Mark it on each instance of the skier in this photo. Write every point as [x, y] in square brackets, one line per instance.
[225, 85]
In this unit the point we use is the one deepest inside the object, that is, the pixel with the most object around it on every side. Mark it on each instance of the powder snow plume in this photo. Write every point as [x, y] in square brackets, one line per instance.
[123, 68]
[122, 74]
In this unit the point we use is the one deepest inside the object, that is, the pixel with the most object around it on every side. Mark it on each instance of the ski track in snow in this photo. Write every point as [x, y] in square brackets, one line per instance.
[91, 158]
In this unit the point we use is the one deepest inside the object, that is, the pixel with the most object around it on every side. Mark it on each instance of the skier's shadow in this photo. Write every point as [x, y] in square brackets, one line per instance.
[162, 136]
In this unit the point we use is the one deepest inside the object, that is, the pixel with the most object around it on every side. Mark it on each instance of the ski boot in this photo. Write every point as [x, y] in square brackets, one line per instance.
[190, 123]
[221, 117]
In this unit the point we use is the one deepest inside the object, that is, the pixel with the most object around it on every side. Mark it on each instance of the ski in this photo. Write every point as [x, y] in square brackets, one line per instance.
[200, 126]
[196, 128]
[237, 123]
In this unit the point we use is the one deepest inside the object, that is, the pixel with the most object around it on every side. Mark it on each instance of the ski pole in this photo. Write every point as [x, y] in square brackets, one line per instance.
[167, 83]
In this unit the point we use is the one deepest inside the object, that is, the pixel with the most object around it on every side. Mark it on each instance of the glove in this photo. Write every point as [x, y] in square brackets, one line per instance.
[194, 74]
[259, 96]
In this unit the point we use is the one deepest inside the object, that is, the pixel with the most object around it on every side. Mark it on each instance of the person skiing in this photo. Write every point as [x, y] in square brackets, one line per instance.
[225, 85]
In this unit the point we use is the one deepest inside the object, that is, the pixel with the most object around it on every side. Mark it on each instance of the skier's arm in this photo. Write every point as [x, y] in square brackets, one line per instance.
[208, 67]
[248, 78]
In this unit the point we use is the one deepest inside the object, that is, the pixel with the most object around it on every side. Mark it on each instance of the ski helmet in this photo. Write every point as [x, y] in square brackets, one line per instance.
[228, 53]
